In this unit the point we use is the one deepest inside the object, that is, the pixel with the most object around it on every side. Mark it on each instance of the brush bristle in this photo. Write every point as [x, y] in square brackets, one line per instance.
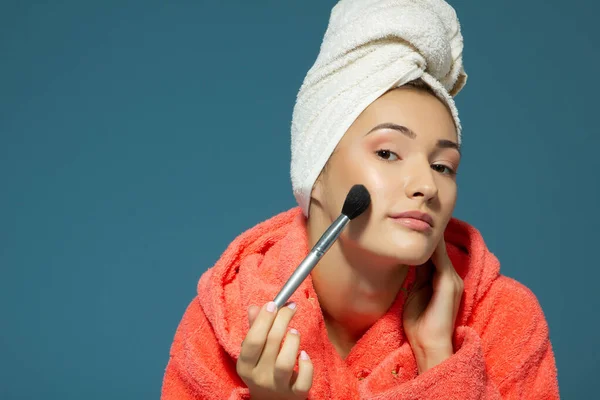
[357, 201]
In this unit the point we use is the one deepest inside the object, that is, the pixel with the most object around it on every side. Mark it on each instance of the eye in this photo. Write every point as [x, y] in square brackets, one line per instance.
[387, 155]
[443, 169]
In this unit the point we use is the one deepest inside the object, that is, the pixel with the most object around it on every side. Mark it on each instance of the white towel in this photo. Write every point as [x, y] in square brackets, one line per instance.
[370, 47]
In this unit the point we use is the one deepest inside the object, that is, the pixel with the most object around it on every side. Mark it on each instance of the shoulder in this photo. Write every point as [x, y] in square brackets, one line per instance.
[195, 347]
[510, 297]
[193, 327]
[512, 327]
[512, 305]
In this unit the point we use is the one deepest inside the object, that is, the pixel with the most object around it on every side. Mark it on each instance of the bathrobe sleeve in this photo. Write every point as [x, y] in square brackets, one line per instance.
[504, 352]
[198, 367]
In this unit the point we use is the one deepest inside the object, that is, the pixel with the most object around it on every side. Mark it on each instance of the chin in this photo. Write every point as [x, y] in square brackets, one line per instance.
[393, 244]
[413, 259]
[408, 248]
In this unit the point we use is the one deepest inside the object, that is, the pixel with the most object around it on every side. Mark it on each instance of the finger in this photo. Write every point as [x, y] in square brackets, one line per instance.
[276, 335]
[421, 290]
[252, 314]
[286, 360]
[423, 275]
[443, 298]
[254, 341]
[460, 288]
[457, 306]
[303, 382]
[440, 258]
[446, 280]
[447, 294]
[419, 300]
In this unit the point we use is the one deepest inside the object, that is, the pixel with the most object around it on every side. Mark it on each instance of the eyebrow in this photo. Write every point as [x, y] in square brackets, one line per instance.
[442, 143]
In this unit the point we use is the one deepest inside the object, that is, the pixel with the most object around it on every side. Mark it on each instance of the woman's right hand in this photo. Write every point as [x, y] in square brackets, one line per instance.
[265, 369]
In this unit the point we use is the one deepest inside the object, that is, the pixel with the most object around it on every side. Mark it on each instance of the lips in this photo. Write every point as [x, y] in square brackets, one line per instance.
[415, 220]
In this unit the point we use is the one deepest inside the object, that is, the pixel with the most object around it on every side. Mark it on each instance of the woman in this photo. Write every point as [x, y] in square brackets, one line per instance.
[408, 303]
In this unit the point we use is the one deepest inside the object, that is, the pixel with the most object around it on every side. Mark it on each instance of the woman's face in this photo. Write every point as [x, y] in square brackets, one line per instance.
[403, 148]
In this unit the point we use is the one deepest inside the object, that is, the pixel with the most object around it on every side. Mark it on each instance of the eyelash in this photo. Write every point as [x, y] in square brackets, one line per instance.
[450, 172]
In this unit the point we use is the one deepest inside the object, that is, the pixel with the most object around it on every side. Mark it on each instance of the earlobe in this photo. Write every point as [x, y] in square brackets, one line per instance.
[317, 191]
[317, 196]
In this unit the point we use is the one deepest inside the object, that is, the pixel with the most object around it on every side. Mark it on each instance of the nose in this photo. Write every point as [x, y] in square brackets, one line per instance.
[420, 182]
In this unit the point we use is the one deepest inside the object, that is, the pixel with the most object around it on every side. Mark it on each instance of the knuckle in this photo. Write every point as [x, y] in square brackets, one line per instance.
[274, 336]
[458, 283]
[242, 371]
[243, 360]
[300, 392]
[282, 367]
[292, 340]
[251, 343]
[447, 287]
[263, 381]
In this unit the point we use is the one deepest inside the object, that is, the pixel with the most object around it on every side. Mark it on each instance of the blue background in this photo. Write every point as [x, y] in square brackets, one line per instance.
[137, 139]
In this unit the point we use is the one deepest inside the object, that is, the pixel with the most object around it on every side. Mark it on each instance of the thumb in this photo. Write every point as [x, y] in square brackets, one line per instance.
[252, 314]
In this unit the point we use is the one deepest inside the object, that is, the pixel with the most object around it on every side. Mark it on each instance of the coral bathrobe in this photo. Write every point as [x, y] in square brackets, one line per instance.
[501, 339]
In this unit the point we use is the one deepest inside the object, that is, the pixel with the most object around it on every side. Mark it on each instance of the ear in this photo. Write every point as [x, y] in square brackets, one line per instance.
[318, 190]
[317, 193]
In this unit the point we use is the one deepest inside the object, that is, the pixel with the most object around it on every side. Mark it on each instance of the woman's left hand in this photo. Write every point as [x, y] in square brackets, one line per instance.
[430, 309]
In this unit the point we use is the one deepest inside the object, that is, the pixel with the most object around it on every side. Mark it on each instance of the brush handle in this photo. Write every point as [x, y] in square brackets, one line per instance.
[311, 260]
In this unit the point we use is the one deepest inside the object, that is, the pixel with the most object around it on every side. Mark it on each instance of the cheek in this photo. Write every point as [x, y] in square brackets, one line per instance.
[379, 177]
[448, 194]
[383, 186]
[447, 200]
[357, 167]
[345, 172]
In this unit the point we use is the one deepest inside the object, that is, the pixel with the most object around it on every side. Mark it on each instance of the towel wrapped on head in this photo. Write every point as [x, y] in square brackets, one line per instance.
[370, 47]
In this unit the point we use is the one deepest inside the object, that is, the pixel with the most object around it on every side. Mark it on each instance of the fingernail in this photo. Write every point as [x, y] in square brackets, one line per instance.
[271, 306]
[295, 332]
[292, 306]
[303, 355]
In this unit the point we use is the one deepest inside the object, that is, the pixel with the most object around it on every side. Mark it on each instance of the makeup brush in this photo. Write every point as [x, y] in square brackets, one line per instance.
[357, 201]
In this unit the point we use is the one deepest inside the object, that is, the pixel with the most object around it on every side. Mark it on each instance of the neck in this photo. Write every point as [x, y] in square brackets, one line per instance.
[355, 288]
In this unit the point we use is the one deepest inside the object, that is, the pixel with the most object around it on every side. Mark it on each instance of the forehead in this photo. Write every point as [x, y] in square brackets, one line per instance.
[414, 108]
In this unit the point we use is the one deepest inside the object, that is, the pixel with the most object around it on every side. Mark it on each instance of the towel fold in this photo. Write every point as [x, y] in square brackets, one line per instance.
[370, 47]
[501, 340]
